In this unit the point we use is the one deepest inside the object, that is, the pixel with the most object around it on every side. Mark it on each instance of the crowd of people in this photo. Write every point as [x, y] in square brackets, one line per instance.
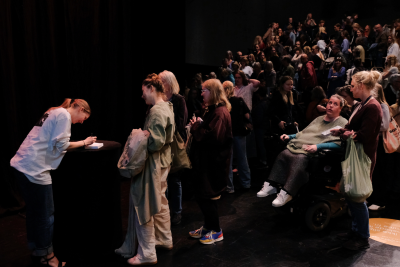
[298, 82]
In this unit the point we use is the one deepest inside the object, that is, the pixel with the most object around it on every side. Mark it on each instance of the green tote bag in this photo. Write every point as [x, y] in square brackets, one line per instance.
[356, 184]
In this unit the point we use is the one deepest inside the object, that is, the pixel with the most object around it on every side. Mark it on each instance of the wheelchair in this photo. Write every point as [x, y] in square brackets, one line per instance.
[317, 201]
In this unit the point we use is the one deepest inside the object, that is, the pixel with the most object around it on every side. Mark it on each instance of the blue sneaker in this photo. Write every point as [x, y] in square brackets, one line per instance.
[199, 233]
[212, 237]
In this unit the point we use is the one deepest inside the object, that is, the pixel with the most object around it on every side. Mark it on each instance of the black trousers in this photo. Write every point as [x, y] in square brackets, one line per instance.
[209, 208]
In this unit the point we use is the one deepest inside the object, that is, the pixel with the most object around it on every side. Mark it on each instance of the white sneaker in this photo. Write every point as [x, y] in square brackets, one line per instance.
[282, 198]
[375, 207]
[136, 261]
[266, 190]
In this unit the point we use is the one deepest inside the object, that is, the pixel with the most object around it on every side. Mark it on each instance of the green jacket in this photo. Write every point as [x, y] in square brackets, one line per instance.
[146, 186]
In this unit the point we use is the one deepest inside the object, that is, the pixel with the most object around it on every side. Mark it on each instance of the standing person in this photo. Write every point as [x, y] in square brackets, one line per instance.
[336, 77]
[245, 88]
[282, 109]
[229, 56]
[271, 32]
[392, 90]
[244, 66]
[307, 78]
[40, 152]
[364, 125]
[390, 69]
[150, 222]
[210, 155]
[381, 46]
[174, 192]
[345, 44]
[269, 76]
[393, 48]
[238, 112]
[380, 178]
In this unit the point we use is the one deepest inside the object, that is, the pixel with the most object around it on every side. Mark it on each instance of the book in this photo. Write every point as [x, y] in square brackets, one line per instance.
[94, 146]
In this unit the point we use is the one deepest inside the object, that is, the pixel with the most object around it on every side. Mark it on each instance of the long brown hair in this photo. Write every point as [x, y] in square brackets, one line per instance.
[217, 93]
[287, 96]
[75, 104]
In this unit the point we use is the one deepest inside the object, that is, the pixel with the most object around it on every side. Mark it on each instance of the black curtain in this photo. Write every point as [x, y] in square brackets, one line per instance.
[96, 50]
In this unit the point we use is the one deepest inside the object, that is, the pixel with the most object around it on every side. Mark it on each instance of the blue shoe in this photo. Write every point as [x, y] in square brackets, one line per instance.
[212, 237]
[199, 233]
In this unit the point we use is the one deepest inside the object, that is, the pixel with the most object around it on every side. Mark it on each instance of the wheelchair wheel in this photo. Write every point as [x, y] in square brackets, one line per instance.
[318, 216]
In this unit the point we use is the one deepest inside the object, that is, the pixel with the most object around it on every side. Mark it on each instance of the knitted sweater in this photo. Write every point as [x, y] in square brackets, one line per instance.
[312, 135]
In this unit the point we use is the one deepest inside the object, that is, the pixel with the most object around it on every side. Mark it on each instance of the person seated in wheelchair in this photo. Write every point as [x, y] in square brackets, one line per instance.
[289, 170]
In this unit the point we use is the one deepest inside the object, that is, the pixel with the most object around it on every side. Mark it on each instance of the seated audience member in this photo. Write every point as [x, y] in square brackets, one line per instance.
[210, 155]
[296, 59]
[282, 110]
[299, 32]
[345, 44]
[328, 49]
[379, 178]
[244, 62]
[380, 49]
[275, 58]
[239, 109]
[257, 71]
[269, 76]
[307, 78]
[259, 41]
[225, 73]
[287, 68]
[235, 67]
[390, 69]
[393, 47]
[280, 32]
[350, 72]
[317, 106]
[238, 56]
[336, 76]
[337, 54]
[212, 75]
[392, 89]
[252, 60]
[229, 56]
[257, 52]
[278, 45]
[289, 170]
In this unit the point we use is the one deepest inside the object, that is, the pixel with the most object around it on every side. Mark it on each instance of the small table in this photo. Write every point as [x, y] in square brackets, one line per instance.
[87, 202]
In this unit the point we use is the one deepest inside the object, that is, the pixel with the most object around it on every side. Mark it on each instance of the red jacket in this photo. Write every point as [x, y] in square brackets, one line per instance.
[308, 77]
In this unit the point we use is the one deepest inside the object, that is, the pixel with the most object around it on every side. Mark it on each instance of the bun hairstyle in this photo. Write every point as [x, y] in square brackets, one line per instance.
[74, 103]
[155, 81]
[343, 101]
[367, 78]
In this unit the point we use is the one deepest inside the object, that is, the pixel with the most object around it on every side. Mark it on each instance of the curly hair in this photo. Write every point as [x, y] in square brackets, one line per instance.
[155, 81]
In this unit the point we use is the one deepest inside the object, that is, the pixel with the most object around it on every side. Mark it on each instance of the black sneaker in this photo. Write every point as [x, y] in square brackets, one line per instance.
[346, 236]
[357, 243]
[176, 219]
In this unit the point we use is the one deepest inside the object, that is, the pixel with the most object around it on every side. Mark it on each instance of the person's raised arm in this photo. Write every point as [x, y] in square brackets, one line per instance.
[256, 84]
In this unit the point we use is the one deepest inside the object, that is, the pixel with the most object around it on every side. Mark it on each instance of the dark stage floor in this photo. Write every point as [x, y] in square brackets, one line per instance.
[255, 234]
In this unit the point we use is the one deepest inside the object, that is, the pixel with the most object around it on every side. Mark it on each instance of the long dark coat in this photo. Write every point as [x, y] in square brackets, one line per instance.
[210, 151]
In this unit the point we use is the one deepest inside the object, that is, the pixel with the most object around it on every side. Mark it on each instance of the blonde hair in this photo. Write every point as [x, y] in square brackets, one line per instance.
[228, 87]
[257, 40]
[306, 49]
[378, 94]
[170, 79]
[75, 104]
[287, 96]
[322, 29]
[217, 93]
[367, 78]
[319, 52]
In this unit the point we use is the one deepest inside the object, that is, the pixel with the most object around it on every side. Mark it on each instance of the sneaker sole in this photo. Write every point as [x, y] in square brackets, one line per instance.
[215, 240]
[262, 195]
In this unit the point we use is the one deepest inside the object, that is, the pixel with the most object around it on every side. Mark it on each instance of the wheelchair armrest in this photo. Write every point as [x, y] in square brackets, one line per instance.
[326, 152]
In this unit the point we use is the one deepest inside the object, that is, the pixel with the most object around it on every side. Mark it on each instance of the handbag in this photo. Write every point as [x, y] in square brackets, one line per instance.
[180, 159]
[391, 137]
[356, 183]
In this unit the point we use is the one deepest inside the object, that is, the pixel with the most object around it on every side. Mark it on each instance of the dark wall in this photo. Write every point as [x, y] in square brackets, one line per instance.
[213, 27]
[100, 51]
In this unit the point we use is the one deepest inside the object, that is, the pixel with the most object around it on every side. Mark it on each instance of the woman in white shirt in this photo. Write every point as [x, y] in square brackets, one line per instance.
[42, 151]
[393, 48]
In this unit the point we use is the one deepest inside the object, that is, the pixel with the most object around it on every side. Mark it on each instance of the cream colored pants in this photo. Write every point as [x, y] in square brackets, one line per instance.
[158, 230]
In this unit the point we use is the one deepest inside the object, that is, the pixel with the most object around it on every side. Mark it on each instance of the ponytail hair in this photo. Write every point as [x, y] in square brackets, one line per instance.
[74, 103]
[155, 81]
[368, 78]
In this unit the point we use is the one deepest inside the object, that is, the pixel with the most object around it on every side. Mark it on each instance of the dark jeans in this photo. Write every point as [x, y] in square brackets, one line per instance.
[360, 218]
[209, 208]
[174, 192]
[39, 214]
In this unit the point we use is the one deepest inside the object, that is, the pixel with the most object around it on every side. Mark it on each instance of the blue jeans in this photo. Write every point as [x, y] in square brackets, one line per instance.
[39, 214]
[239, 150]
[174, 192]
[360, 215]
